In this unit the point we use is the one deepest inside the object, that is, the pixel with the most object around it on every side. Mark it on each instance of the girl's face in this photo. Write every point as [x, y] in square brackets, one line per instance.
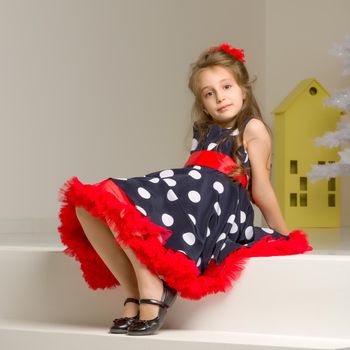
[220, 94]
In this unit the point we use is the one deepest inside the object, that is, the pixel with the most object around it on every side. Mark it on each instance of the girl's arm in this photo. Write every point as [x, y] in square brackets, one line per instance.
[257, 142]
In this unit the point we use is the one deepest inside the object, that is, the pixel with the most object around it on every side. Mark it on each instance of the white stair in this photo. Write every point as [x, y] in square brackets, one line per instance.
[56, 337]
[287, 302]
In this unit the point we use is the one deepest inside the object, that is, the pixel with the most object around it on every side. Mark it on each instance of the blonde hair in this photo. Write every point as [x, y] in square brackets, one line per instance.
[211, 58]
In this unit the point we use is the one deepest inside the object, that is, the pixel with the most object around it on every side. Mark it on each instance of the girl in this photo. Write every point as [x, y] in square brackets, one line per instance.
[187, 230]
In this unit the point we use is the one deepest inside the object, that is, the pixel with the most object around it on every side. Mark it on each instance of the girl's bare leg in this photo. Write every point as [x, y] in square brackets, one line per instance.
[150, 286]
[103, 241]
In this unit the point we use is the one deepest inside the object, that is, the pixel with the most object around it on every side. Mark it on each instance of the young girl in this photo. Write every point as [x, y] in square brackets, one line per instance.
[184, 231]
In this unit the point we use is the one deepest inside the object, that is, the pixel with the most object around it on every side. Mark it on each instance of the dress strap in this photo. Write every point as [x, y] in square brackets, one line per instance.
[217, 161]
[245, 122]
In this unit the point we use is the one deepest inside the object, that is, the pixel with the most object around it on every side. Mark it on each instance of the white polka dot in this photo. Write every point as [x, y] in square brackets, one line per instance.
[194, 144]
[194, 196]
[189, 238]
[217, 208]
[181, 251]
[198, 167]
[223, 246]
[267, 230]
[166, 173]
[235, 132]
[234, 228]
[246, 157]
[199, 261]
[143, 193]
[122, 178]
[195, 174]
[167, 220]
[171, 195]
[212, 257]
[243, 216]
[231, 219]
[218, 186]
[154, 180]
[211, 146]
[170, 182]
[249, 232]
[193, 219]
[221, 237]
[143, 211]
[208, 231]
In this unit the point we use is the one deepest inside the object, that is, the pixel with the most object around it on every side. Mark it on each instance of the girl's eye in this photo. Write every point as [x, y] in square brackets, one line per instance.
[209, 93]
[227, 86]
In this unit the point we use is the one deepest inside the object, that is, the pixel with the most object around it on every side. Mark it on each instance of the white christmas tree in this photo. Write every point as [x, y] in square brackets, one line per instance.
[340, 137]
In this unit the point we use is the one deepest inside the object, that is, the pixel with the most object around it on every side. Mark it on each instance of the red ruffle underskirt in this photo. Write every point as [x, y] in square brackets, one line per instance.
[108, 202]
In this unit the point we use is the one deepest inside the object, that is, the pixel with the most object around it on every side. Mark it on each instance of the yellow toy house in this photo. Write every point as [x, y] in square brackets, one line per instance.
[299, 119]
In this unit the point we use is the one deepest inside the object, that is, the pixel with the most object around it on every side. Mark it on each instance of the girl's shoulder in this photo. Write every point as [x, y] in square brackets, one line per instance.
[256, 129]
[251, 122]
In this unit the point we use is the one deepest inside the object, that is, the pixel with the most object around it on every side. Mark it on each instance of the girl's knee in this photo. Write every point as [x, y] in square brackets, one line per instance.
[81, 212]
[85, 216]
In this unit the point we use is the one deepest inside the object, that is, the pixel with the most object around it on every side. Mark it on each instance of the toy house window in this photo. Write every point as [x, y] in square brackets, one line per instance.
[313, 91]
[293, 200]
[331, 184]
[303, 184]
[303, 199]
[321, 162]
[293, 167]
[331, 200]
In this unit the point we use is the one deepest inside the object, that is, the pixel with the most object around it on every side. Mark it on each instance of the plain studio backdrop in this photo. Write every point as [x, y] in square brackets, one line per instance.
[98, 89]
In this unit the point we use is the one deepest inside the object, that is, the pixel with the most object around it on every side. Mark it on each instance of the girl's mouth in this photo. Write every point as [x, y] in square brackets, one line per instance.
[224, 107]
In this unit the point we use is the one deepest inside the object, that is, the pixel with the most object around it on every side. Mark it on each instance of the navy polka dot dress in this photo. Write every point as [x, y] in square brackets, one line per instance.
[209, 214]
[208, 218]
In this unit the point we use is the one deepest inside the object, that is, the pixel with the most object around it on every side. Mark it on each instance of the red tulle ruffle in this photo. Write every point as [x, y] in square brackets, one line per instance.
[109, 203]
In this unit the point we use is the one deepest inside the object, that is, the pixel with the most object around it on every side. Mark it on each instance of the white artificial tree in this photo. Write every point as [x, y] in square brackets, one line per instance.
[341, 136]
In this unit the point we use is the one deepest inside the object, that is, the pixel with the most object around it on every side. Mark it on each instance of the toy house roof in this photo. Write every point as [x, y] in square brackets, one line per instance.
[296, 92]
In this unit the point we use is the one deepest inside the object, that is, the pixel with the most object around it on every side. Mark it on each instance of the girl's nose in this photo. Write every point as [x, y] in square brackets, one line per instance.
[219, 98]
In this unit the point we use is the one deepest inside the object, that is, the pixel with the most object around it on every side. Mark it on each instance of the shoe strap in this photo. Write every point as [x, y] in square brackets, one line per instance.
[154, 302]
[131, 300]
[120, 319]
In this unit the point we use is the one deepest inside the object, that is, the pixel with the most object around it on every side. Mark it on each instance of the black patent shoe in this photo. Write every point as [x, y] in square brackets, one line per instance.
[147, 327]
[120, 325]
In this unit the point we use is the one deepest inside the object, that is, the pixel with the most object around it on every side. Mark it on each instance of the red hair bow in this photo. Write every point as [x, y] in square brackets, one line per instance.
[235, 52]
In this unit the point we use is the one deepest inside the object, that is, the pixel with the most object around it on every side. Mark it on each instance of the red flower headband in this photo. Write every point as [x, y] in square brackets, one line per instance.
[235, 52]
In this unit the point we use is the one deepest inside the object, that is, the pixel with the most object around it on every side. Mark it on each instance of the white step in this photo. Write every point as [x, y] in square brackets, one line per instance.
[297, 301]
[20, 335]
